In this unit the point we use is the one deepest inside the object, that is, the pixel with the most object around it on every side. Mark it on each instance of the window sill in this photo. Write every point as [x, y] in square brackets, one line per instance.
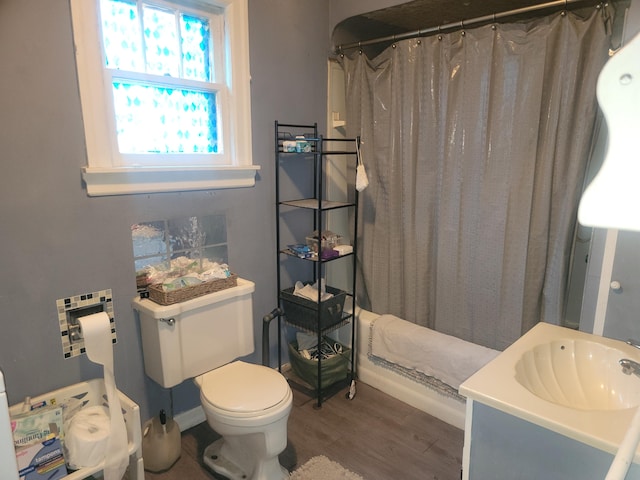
[131, 180]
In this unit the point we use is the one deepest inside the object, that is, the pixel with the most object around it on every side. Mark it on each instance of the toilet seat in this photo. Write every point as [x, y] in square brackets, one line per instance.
[241, 389]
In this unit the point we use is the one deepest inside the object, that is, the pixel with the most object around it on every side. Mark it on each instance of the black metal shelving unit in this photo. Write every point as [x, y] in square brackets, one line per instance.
[316, 317]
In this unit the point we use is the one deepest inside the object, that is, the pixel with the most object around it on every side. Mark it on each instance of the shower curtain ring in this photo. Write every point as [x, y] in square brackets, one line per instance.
[463, 33]
[393, 45]
[493, 26]
[439, 34]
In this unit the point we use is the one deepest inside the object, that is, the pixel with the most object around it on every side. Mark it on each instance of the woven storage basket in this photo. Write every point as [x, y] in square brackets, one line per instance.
[141, 281]
[158, 295]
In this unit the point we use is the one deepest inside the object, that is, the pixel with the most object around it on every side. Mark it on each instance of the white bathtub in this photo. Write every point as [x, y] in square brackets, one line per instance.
[417, 395]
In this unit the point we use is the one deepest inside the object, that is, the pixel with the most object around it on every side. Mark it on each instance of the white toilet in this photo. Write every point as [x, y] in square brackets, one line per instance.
[247, 404]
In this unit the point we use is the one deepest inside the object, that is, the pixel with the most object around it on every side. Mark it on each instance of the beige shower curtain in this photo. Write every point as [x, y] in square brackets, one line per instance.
[476, 146]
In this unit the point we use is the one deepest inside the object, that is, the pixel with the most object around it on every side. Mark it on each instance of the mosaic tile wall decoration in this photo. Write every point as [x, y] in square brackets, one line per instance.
[86, 303]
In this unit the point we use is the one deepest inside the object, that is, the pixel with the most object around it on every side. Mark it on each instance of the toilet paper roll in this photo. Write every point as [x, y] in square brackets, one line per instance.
[96, 331]
[86, 437]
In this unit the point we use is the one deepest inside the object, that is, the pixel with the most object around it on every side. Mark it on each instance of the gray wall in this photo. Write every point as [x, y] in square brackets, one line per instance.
[58, 242]
[340, 10]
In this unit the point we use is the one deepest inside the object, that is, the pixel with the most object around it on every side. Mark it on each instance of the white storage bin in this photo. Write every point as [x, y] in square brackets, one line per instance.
[92, 393]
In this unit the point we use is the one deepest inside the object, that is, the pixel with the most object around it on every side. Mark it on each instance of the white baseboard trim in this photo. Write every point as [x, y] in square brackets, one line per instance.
[190, 418]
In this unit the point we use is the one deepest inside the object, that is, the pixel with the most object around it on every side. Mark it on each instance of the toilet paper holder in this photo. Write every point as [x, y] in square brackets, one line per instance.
[73, 323]
[75, 333]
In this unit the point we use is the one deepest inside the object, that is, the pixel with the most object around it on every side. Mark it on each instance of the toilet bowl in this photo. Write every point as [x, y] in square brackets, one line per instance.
[248, 405]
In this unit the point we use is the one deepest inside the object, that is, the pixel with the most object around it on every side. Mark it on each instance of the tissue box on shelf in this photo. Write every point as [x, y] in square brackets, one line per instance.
[36, 425]
[36, 436]
[42, 460]
[328, 241]
[300, 145]
[289, 146]
[343, 249]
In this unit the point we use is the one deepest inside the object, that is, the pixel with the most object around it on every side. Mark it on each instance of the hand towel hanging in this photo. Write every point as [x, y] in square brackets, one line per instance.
[362, 181]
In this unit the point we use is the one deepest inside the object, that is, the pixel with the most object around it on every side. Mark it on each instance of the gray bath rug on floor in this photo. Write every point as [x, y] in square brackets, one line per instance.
[321, 468]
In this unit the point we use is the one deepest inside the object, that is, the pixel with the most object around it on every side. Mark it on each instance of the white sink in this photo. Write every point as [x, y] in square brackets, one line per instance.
[564, 380]
[576, 373]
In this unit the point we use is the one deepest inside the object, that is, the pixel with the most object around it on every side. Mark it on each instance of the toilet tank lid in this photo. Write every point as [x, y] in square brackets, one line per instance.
[243, 387]
[155, 310]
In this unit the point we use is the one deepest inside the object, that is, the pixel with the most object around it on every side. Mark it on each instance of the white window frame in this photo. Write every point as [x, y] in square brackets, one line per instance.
[105, 174]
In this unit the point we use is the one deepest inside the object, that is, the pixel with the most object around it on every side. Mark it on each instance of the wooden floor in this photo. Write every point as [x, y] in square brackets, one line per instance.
[373, 434]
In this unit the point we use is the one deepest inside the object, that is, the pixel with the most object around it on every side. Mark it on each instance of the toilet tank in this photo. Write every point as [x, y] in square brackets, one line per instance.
[187, 339]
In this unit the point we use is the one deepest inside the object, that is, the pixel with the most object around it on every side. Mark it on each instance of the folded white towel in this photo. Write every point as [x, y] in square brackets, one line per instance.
[447, 358]
[310, 292]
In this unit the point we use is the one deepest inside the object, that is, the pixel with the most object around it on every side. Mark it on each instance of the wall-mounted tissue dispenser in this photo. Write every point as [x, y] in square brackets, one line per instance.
[72, 308]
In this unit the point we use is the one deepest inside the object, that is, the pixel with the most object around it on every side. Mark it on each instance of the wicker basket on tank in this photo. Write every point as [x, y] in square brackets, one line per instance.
[158, 295]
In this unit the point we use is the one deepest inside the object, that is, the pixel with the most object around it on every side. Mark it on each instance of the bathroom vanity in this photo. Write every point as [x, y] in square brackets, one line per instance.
[555, 404]
[503, 446]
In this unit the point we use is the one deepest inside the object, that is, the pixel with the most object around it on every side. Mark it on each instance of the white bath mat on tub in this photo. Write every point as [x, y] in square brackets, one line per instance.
[449, 359]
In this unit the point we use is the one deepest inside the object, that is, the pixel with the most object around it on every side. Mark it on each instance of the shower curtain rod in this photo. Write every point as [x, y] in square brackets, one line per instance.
[461, 24]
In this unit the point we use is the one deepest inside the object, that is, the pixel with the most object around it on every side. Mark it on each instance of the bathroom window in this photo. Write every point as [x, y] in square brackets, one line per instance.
[196, 238]
[155, 84]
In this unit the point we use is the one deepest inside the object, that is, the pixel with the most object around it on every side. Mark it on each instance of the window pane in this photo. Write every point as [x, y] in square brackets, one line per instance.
[148, 239]
[154, 119]
[197, 238]
[185, 234]
[195, 47]
[214, 228]
[218, 253]
[121, 35]
[161, 42]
